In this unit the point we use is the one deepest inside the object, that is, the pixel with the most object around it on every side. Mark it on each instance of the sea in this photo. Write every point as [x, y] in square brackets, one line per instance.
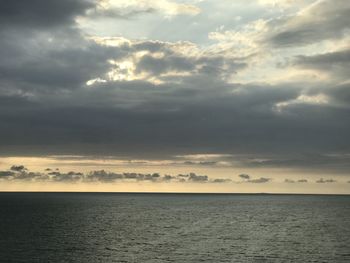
[145, 227]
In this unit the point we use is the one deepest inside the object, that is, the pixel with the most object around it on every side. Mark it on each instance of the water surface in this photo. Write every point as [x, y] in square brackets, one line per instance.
[96, 227]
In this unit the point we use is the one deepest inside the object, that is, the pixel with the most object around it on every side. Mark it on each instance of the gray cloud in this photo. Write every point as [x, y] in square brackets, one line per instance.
[322, 20]
[220, 180]
[208, 163]
[197, 178]
[6, 173]
[51, 103]
[103, 177]
[171, 122]
[289, 181]
[18, 168]
[47, 60]
[244, 176]
[302, 181]
[336, 63]
[307, 161]
[63, 64]
[157, 66]
[322, 181]
[42, 14]
[119, 13]
[340, 94]
[260, 180]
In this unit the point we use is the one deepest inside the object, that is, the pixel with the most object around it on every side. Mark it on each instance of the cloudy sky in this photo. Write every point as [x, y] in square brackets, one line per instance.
[234, 96]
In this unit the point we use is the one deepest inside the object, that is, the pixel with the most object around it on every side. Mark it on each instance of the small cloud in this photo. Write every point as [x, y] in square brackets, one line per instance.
[18, 168]
[197, 178]
[168, 178]
[103, 176]
[6, 173]
[130, 8]
[68, 177]
[323, 181]
[155, 175]
[54, 173]
[210, 156]
[204, 163]
[289, 181]
[221, 180]
[260, 180]
[244, 176]
[302, 181]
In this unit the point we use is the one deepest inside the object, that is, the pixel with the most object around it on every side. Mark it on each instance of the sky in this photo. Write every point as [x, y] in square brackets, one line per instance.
[175, 96]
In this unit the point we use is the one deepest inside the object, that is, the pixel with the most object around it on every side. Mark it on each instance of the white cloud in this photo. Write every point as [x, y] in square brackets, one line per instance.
[281, 3]
[318, 99]
[168, 8]
[203, 156]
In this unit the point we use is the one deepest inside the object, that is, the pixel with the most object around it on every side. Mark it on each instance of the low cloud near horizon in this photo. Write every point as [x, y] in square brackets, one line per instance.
[19, 172]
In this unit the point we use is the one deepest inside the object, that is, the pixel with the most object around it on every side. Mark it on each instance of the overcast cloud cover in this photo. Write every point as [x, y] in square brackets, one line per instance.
[212, 83]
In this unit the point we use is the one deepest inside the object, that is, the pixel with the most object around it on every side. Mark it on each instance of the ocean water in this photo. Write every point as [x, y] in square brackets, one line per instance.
[96, 227]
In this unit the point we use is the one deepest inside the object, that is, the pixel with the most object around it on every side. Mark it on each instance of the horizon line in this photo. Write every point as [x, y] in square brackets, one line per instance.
[179, 193]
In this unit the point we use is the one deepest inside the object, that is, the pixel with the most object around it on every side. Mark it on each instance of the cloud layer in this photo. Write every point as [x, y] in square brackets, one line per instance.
[261, 92]
[21, 173]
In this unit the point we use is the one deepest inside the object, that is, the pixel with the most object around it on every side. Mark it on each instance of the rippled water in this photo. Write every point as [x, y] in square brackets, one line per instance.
[90, 227]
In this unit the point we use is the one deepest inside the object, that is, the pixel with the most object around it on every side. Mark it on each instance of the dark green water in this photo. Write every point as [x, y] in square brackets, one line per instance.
[93, 227]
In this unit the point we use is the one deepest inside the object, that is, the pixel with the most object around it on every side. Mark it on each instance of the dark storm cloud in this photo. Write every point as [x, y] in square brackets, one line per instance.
[41, 14]
[325, 19]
